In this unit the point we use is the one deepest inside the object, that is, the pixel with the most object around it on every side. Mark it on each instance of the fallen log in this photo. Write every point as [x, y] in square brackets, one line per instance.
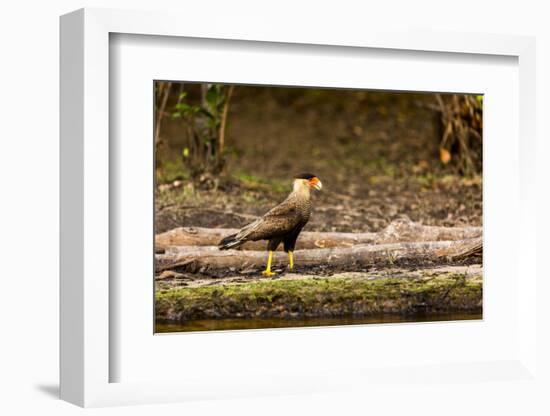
[196, 236]
[397, 231]
[202, 259]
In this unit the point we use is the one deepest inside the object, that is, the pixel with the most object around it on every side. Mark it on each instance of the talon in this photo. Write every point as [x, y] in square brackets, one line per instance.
[268, 273]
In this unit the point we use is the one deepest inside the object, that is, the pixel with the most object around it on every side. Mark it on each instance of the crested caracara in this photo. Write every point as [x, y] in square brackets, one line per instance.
[282, 224]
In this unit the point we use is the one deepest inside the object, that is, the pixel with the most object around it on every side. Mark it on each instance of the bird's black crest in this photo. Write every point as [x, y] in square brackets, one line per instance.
[305, 176]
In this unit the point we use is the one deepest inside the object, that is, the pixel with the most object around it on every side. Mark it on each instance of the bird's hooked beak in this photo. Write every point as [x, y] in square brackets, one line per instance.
[315, 183]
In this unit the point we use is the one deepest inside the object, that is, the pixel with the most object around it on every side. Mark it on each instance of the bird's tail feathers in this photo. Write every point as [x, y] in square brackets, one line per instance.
[235, 240]
[231, 241]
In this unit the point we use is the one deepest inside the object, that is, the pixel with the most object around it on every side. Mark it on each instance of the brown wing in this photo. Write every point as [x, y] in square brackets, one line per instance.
[279, 221]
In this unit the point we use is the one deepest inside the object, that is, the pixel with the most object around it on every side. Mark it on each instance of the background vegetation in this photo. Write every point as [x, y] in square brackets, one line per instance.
[226, 154]
[201, 111]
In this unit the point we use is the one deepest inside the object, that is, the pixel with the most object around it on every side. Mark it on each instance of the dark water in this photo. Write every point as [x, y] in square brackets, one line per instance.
[230, 324]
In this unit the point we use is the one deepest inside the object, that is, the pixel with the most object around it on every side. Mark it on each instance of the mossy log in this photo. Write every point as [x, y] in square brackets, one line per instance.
[397, 231]
[322, 297]
[194, 259]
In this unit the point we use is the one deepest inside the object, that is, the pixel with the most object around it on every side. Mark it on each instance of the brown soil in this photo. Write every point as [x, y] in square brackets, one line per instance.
[448, 202]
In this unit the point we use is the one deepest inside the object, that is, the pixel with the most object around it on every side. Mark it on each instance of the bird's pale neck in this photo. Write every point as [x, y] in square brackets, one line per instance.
[301, 188]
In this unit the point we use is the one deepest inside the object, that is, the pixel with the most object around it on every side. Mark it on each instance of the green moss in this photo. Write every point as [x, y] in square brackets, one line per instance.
[318, 297]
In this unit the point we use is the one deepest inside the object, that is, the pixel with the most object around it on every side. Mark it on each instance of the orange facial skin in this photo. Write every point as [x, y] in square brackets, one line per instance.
[313, 181]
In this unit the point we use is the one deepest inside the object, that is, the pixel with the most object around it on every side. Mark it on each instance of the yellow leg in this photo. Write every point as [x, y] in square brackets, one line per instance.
[291, 260]
[267, 271]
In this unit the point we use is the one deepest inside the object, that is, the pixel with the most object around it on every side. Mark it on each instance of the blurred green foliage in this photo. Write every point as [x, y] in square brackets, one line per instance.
[204, 116]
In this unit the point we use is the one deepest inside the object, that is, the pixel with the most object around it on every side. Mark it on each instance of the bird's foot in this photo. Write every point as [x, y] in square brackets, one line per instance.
[268, 273]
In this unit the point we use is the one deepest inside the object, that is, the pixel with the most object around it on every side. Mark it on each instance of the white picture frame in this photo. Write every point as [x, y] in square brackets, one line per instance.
[86, 339]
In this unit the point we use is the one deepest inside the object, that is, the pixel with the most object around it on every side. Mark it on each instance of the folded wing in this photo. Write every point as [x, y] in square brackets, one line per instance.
[277, 222]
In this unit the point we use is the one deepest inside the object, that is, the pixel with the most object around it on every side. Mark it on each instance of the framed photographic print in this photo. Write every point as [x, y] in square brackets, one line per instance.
[268, 225]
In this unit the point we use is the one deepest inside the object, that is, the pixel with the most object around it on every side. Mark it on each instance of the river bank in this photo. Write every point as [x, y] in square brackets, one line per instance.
[353, 295]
